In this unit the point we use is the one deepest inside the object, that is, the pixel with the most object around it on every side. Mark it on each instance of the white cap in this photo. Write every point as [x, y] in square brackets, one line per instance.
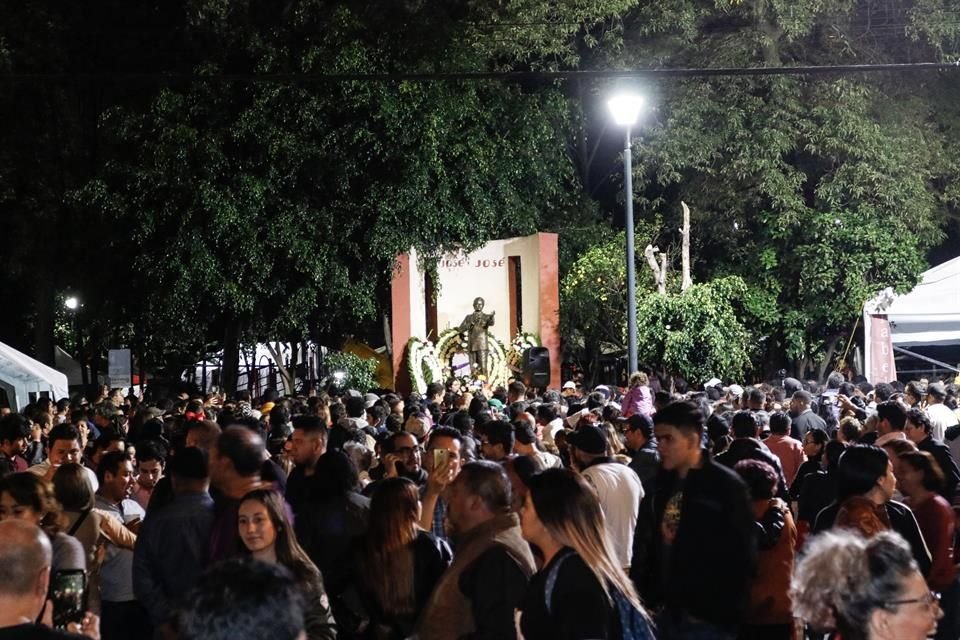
[735, 389]
[569, 384]
[712, 382]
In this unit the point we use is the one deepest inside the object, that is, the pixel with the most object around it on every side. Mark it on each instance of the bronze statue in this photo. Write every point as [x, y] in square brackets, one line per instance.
[475, 326]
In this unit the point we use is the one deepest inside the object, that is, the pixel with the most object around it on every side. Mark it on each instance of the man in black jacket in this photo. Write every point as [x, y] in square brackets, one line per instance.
[695, 547]
[747, 446]
[804, 419]
[918, 429]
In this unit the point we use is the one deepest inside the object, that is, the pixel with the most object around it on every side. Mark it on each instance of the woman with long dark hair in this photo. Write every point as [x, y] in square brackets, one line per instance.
[865, 488]
[581, 591]
[268, 536]
[27, 496]
[398, 563]
[920, 479]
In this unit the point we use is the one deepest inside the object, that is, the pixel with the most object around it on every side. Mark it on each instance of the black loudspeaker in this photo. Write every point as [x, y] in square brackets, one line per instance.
[536, 367]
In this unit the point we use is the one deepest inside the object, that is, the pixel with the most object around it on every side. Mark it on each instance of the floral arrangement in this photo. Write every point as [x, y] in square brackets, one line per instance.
[428, 362]
[422, 364]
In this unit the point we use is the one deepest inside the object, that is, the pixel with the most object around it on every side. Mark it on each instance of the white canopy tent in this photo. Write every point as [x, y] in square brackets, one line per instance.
[929, 315]
[21, 375]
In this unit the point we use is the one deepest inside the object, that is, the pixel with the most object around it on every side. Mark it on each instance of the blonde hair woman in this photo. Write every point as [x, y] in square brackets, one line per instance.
[581, 591]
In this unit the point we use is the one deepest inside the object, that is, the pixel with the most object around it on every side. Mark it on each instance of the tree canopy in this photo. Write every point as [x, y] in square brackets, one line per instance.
[223, 192]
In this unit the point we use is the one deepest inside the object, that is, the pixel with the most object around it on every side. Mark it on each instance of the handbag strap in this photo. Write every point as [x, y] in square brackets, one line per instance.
[76, 525]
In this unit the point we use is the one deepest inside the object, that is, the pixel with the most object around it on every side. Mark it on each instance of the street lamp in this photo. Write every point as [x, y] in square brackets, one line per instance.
[72, 304]
[625, 109]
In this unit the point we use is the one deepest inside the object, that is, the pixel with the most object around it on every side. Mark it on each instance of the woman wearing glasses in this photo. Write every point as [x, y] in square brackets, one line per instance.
[863, 588]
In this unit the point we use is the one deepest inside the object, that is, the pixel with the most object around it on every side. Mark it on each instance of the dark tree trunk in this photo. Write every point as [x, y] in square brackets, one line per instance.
[231, 357]
[43, 325]
[827, 358]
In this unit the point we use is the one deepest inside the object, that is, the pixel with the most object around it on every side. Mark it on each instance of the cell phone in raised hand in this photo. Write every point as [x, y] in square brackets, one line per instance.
[68, 592]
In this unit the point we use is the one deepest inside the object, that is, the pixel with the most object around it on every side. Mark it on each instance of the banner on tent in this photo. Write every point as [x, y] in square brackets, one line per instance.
[883, 368]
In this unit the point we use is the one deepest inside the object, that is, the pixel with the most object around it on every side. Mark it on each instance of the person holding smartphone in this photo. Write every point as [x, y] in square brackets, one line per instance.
[401, 457]
[123, 616]
[25, 574]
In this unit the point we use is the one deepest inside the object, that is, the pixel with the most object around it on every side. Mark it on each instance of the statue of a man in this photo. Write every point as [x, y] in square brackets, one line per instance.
[475, 326]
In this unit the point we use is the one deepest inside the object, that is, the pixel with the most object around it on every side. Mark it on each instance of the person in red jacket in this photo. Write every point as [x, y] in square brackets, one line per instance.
[920, 480]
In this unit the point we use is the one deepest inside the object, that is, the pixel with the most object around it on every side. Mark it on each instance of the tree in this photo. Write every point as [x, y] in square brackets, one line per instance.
[699, 333]
[275, 210]
[593, 298]
[800, 185]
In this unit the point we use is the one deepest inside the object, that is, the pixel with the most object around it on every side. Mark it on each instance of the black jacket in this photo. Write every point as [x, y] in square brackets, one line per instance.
[806, 421]
[941, 453]
[711, 563]
[328, 530]
[902, 521]
[646, 462]
[431, 557]
[753, 449]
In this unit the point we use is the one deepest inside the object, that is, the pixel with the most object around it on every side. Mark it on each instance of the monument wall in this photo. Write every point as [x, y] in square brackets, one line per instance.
[517, 277]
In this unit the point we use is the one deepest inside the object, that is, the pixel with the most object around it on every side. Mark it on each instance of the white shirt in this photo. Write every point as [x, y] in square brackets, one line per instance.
[42, 468]
[941, 418]
[620, 493]
[547, 460]
[550, 431]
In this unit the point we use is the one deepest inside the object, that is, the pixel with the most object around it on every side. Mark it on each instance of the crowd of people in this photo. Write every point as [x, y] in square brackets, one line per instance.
[775, 511]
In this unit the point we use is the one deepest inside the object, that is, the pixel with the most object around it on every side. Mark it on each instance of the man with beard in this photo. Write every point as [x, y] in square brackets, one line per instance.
[478, 593]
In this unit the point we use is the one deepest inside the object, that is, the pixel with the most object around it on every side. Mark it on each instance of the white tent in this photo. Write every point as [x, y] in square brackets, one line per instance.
[21, 375]
[66, 364]
[929, 315]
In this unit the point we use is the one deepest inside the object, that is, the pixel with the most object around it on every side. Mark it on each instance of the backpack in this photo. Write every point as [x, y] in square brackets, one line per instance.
[634, 623]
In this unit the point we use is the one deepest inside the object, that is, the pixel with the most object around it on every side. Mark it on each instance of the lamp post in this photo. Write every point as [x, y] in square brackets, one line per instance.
[72, 304]
[625, 108]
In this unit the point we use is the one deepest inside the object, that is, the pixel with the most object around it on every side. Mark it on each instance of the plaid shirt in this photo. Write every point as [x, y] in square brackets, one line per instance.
[439, 515]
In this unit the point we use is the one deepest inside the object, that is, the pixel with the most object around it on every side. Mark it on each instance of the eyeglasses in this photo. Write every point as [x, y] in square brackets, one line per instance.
[928, 600]
[406, 451]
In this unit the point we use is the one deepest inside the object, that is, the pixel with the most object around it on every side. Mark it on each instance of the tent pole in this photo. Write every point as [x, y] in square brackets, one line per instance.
[925, 358]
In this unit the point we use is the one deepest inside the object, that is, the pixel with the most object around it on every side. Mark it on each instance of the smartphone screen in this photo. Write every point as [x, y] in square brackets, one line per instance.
[68, 591]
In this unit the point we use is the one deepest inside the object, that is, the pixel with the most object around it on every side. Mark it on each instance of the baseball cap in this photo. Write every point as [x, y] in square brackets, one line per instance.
[569, 384]
[370, 399]
[589, 439]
